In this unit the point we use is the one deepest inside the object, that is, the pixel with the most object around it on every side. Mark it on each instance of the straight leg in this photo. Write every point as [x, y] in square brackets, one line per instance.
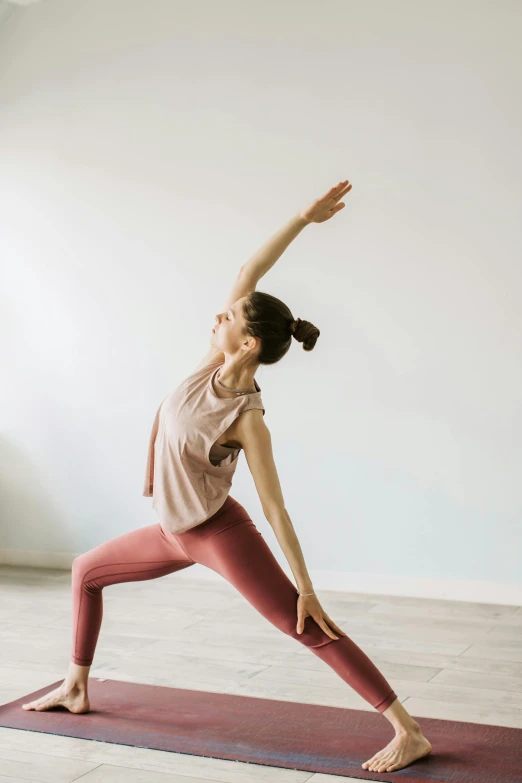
[234, 547]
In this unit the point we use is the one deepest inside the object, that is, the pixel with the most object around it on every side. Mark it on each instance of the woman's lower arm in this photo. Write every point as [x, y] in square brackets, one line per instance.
[265, 258]
[289, 543]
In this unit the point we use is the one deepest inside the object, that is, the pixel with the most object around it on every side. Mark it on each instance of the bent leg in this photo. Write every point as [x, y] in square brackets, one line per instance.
[146, 553]
[241, 555]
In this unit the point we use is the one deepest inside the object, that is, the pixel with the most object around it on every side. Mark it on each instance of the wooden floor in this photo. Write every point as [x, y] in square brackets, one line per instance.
[459, 661]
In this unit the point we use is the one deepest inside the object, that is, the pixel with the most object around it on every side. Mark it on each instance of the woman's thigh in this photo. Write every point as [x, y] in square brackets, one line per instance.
[230, 544]
[145, 553]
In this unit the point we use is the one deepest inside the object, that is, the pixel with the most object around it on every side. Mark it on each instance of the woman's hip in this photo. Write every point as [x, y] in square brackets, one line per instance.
[230, 513]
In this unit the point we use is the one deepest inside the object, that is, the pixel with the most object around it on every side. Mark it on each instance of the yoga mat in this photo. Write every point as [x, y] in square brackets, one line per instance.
[308, 737]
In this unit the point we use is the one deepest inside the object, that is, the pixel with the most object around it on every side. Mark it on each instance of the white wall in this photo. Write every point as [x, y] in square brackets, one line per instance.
[148, 149]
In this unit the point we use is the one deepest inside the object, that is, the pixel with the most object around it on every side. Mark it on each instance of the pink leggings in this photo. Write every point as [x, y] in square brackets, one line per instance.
[230, 544]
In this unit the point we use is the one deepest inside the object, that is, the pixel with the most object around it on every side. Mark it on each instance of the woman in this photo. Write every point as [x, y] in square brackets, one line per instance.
[197, 435]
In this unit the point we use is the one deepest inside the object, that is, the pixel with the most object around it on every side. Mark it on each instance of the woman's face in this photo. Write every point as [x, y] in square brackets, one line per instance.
[228, 334]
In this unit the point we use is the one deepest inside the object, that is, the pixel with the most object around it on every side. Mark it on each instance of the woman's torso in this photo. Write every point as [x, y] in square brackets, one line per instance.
[194, 448]
[229, 439]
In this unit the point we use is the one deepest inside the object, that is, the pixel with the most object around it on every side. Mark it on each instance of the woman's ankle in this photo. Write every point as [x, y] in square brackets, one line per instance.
[401, 720]
[74, 686]
[408, 728]
[77, 677]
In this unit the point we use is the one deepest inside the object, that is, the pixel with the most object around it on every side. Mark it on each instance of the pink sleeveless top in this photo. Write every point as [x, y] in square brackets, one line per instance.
[186, 485]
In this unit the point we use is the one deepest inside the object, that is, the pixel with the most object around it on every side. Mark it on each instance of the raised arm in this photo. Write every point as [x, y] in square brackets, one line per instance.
[252, 271]
[318, 211]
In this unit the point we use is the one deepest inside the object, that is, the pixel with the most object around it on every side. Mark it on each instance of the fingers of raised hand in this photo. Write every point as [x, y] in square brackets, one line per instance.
[337, 188]
[337, 192]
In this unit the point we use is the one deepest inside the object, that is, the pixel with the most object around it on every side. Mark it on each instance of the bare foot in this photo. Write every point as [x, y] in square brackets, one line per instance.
[401, 751]
[74, 699]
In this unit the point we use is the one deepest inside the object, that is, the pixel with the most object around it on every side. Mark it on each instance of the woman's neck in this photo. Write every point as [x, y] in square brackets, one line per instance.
[236, 379]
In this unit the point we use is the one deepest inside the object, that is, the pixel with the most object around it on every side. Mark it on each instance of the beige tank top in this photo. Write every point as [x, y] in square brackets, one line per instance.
[188, 476]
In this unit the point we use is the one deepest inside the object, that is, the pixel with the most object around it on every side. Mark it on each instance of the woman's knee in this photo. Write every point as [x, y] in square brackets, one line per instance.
[77, 563]
[81, 566]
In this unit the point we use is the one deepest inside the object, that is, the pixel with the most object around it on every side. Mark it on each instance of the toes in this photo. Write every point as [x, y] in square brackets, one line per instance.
[392, 764]
[379, 761]
[383, 763]
[35, 705]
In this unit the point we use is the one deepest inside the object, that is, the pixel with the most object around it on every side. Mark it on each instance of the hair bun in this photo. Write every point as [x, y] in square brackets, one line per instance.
[305, 332]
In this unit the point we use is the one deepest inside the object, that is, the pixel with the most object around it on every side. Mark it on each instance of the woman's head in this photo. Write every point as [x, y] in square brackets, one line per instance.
[261, 327]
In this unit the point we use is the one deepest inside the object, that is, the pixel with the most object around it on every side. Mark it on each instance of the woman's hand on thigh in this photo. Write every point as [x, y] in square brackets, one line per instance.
[309, 606]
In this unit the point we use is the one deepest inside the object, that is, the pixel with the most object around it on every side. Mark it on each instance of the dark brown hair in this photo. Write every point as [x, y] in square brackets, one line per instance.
[270, 319]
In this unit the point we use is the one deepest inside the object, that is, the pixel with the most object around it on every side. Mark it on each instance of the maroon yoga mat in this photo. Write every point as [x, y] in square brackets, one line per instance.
[309, 737]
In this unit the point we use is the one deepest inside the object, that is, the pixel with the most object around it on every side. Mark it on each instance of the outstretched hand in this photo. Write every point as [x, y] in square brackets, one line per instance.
[326, 206]
[309, 605]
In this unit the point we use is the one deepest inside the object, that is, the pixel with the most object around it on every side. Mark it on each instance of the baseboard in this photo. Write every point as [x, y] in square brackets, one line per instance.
[475, 591]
